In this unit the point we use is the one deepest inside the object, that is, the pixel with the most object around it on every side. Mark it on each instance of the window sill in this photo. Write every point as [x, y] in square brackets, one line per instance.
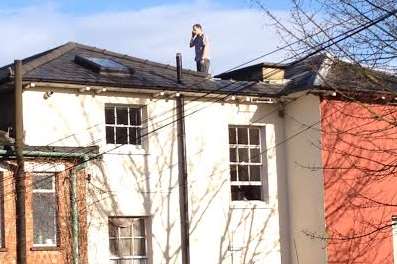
[117, 149]
[44, 248]
[3, 249]
[250, 205]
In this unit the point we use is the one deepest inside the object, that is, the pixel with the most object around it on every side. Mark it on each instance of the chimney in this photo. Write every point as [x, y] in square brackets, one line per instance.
[179, 67]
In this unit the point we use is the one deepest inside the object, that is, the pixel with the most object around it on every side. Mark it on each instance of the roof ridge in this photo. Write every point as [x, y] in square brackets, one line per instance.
[143, 61]
[47, 56]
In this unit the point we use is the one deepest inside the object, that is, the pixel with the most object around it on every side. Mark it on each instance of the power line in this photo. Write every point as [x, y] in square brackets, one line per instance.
[350, 34]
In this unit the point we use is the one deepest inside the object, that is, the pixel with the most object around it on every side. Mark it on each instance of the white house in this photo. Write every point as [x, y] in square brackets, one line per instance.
[250, 199]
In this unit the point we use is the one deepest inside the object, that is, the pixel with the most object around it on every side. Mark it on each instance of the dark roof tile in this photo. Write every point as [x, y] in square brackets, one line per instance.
[57, 65]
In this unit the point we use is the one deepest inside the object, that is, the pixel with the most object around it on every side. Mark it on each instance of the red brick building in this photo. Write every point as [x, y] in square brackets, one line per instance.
[48, 206]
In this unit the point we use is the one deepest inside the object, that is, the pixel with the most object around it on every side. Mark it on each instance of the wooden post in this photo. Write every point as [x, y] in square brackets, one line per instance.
[20, 173]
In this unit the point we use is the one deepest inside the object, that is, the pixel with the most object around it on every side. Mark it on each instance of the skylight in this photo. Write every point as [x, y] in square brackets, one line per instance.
[103, 65]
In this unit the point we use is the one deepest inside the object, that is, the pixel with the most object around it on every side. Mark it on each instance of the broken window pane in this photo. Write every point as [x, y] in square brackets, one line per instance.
[251, 192]
[109, 115]
[246, 193]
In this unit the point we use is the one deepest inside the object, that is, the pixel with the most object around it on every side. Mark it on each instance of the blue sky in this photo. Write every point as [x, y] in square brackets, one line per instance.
[90, 6]
[150, 29]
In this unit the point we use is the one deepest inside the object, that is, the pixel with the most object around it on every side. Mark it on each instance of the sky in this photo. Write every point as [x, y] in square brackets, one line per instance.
[156, 30]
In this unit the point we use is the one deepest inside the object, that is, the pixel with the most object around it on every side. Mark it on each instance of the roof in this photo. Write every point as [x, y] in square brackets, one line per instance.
[58, 66]
[324, 72]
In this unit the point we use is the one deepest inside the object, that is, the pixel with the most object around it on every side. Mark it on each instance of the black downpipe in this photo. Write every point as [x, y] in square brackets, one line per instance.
[182, 168]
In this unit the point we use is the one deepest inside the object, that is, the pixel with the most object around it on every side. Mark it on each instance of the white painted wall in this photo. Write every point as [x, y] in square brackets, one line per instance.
[144, 182]
[305, 180]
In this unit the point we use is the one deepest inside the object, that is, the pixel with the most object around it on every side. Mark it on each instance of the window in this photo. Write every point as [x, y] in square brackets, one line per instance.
[246, 163]
[123, 125]
[127, 240]
[103, 65]
[44, 206]
[2, 235]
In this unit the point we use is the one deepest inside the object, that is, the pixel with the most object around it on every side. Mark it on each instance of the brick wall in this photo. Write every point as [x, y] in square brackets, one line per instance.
[60, 254]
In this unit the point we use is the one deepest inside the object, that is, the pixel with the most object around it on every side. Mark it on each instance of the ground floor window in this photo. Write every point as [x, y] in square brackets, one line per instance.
[44, 210]
[128, 240]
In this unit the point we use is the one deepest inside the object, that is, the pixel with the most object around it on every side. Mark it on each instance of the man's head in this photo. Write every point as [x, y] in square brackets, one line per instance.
[197, 29]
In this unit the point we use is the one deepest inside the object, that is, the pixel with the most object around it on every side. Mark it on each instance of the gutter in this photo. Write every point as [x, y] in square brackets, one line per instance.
[166, 92]
[45, 154]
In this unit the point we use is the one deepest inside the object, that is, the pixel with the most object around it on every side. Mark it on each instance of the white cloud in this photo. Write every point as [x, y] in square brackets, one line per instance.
[157, 33]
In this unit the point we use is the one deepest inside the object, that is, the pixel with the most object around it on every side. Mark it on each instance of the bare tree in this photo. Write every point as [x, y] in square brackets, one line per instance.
[358, 39]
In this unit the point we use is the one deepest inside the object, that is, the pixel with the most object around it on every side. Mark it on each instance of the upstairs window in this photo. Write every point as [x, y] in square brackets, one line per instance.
[123, 125]
[247, 172]
[128, 240]
[44, 209]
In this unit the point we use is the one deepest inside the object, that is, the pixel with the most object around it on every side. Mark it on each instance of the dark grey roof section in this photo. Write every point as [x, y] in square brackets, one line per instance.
[303, 75]
[230, 74]
[58, 66]
[323, 72]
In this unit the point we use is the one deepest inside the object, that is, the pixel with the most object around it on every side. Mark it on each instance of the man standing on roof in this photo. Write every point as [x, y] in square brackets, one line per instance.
[200, 43]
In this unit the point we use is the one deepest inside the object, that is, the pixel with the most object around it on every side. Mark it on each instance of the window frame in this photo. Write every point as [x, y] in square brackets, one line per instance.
[54, 190]
[129, 126]
[263, 182]
[146, 237]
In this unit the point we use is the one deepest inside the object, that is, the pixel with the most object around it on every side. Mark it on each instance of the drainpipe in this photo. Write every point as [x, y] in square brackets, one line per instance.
[74, 216]
[182, 168]
[20, 174]
[75, 210]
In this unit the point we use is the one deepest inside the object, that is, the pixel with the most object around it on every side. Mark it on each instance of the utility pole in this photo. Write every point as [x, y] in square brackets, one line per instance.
[182, 168]
[20, 173]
